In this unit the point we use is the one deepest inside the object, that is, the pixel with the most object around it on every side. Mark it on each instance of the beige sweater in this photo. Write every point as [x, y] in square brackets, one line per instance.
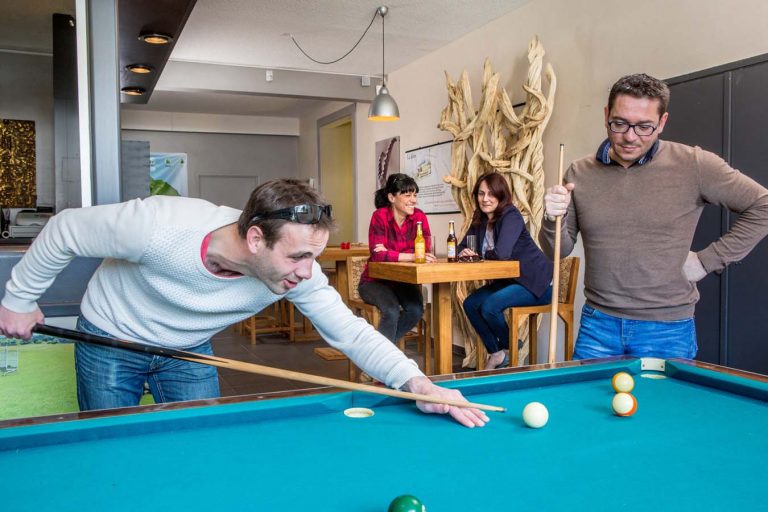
[637, 226]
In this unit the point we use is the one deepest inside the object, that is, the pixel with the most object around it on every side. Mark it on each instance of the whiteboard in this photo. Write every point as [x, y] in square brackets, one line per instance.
[428, 165]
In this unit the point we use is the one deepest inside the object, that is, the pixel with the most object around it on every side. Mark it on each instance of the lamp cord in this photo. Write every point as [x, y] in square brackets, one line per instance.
[350, 51]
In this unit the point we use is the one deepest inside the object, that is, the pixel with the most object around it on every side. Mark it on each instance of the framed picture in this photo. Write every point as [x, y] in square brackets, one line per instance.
[427, 165]
[387, 159]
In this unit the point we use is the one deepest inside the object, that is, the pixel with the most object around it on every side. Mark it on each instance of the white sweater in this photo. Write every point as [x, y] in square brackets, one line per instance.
[152, 286]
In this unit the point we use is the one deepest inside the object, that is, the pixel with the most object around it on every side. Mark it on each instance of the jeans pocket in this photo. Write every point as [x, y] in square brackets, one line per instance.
[588, 311]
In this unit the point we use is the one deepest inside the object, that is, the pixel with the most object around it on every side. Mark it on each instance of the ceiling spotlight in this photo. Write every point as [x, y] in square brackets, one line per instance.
[133, 91]
[140, 69]
[156, 38]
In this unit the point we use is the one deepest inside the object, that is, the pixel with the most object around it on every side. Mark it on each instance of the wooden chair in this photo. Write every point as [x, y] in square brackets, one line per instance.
[275, 318]
[569, 276]
[423, 333]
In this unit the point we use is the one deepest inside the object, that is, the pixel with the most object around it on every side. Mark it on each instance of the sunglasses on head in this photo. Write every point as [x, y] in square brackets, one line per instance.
[301, 213]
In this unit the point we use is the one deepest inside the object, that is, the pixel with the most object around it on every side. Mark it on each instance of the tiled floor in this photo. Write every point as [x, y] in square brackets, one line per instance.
[277, 351]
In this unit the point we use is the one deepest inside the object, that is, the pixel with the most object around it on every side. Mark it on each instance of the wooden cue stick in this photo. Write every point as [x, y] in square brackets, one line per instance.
[556, 273]
[234, 364]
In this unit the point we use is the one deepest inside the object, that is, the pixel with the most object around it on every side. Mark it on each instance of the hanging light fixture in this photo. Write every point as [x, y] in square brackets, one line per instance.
[384, 107]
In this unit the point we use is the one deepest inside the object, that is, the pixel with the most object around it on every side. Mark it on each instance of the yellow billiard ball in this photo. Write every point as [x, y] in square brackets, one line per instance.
[623, 382]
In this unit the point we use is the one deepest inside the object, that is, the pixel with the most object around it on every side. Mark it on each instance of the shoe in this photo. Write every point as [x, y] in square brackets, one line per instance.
[505, 362]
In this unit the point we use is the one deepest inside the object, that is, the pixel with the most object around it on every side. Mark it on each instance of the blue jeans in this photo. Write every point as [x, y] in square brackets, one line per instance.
[485, 310]
[602, 335]
[112, 377]
[401, 306]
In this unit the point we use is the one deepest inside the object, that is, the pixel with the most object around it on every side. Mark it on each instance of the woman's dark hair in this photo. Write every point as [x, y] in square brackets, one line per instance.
[398, 183]
[499, 189]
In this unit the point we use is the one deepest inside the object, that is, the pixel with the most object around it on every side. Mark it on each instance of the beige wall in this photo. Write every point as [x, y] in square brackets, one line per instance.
[590, 43]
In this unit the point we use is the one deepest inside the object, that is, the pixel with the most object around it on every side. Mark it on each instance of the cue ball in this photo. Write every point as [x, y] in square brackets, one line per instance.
[535, 415]
[624, 404]
[623, 382]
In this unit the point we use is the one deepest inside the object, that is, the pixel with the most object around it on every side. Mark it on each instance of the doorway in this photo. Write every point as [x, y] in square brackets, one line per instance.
[337, 172]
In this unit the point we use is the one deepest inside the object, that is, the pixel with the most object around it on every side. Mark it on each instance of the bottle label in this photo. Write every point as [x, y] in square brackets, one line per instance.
[420, 252]
[451, 249]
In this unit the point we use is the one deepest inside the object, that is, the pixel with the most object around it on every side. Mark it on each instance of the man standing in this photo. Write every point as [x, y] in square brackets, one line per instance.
[636, 204]
[178, 270]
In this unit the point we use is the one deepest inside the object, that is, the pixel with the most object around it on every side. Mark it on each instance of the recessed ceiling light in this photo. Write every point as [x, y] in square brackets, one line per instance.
[133, 91]
[156, 38]
[141, 69]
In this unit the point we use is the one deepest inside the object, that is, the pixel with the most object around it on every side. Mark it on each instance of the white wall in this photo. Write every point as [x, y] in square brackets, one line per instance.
[590, 43]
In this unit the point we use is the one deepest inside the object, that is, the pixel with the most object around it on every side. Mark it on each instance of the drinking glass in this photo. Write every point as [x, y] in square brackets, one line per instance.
[472, 243]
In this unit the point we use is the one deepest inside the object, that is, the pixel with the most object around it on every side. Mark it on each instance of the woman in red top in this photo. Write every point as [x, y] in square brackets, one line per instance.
[391, 238]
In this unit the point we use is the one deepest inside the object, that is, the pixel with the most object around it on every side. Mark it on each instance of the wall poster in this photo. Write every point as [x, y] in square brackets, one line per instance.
[428, 165]
[168, 174]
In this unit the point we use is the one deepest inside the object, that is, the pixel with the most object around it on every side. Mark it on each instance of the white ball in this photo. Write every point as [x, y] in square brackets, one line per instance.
[535, 415]
[624, 404]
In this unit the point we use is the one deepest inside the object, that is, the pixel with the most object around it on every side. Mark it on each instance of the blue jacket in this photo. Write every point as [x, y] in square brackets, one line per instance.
[513, 242]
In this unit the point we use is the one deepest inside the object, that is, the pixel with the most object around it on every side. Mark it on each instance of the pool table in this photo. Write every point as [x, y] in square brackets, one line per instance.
[698, 441]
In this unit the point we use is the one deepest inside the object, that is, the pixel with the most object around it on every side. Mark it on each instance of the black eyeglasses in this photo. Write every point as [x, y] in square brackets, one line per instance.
[301, 213]
[643, 130]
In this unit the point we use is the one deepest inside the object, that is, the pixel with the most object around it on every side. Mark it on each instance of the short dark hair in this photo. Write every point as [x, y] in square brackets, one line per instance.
[499, 189]
[641, 85]
[275, 195]
[397, 183]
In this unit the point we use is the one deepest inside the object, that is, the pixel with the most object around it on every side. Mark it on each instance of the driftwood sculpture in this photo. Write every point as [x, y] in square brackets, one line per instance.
[495, 138]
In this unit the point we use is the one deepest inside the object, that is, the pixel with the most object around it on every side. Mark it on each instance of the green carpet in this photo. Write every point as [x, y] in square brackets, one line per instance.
[44, 382]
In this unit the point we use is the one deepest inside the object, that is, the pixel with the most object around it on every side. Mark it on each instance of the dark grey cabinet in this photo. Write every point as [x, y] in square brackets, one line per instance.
[723, 110]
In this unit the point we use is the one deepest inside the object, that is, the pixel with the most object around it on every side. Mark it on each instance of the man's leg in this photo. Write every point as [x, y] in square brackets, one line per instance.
[174, 380]
[600, 335]
[107, 377]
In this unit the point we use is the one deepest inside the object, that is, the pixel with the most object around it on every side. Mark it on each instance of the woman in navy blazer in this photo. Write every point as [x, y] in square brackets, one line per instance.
[501, 235]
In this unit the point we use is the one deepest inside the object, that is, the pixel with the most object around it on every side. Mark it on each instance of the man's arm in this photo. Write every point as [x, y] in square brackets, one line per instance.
[109, 231]
[723, 185]
[368, 348]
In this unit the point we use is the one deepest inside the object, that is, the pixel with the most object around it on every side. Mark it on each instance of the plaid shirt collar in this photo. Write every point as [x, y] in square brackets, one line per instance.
[603, 155]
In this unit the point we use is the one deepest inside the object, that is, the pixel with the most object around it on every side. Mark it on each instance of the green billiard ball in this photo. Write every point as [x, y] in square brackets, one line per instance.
[406, 503]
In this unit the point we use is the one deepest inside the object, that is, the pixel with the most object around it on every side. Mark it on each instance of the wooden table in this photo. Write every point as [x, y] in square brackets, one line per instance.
[443, 274]
[339, 255]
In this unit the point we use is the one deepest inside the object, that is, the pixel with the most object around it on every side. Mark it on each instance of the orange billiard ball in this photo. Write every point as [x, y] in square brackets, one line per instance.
[624, 404]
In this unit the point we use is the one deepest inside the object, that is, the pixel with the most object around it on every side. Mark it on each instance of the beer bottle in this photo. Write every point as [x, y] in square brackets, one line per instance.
[419, 246]
[451, 242]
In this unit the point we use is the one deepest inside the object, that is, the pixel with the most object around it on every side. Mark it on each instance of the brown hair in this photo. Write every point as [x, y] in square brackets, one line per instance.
[275, 195]
[499, 189]
[641, 85]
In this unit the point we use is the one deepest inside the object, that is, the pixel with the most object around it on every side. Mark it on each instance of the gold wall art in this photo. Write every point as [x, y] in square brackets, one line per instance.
[495, 138]
[18, 165]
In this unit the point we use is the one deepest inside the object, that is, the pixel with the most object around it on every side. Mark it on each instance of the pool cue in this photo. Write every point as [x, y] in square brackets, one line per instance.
[234, 364]
[556, 272]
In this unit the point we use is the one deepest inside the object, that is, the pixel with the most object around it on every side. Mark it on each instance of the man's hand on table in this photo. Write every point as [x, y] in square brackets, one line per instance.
[467, 417]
